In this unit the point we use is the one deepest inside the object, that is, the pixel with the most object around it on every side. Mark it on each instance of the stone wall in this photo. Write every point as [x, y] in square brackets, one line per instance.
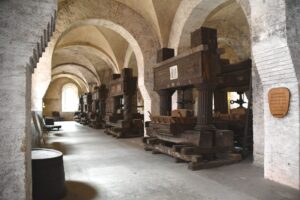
[53, 98]
[258, 119]
[25, 27]
[276, 68]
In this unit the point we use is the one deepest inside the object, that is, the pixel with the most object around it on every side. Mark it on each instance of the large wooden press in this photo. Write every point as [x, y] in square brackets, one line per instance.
[178, 133]
[122, 119]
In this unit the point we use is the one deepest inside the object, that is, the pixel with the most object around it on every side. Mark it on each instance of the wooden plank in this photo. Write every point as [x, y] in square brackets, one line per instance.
[197, 150]
[177, 148]
[188, 69]
[196, 161]
[210, 164]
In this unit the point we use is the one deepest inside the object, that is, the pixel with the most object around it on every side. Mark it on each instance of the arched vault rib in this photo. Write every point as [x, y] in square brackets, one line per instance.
[115, 27]
[83, 85]
[130, 39]
[131, 22]
[73, 55]
[74, 73]
[79, 70]
[77, 65]
[128, 55]
[100, 53]
[84, 82]
[89, 35]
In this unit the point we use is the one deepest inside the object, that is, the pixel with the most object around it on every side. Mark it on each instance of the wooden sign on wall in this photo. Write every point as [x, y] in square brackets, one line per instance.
[279, 101]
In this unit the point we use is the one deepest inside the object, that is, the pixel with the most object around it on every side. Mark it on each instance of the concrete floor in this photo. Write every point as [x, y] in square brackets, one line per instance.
[98, 166]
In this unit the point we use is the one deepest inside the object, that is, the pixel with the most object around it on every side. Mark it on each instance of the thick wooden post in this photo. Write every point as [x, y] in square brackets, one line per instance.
[102, 101]
[129, 87]
[127, 107]
[204, 117]
[221, 102]
[185, 99]
[165, 95]
[165, 102]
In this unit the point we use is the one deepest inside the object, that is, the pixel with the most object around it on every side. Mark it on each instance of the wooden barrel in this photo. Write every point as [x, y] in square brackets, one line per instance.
[48, 176]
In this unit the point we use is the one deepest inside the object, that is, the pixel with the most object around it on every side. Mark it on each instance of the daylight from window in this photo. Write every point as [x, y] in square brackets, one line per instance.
[69, 98]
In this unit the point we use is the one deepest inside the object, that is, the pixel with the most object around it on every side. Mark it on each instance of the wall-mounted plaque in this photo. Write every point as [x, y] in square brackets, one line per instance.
[279, 101]
[173, 72]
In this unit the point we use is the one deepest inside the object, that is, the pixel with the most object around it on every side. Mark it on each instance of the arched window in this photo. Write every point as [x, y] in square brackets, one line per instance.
[69, 98]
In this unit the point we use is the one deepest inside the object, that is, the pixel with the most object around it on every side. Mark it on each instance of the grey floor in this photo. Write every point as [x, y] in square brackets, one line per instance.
[98, 166]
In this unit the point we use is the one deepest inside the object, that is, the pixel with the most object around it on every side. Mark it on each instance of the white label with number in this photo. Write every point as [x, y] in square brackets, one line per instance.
[173, 72]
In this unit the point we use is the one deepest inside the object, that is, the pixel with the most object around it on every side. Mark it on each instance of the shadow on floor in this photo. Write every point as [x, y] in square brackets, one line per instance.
[65, 149]
[58, 134]
[79, 191]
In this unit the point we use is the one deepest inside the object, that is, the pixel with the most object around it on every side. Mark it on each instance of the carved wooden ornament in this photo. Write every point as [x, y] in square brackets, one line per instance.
[279, 101]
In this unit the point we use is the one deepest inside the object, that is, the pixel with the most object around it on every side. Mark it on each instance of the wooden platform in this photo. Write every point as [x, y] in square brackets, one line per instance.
[119, 132]
[197, 158]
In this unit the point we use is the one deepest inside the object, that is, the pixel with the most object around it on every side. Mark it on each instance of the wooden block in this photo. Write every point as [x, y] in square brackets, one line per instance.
[188, 150]
[177, 148]
[164, 54]
[144, 139]
[178, 160]
[148, 147]
[209, 164]
[235, 156]
[152, 141]
[155, 151]
[205, 36]
[197, 158]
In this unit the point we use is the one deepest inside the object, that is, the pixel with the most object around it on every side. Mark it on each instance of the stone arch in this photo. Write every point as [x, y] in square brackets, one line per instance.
[117, 28]
[128, 55]
[130, 61]
[136, 49]
[104, 56]
[83, 85]
[191, 14]
[71, 55]
[277, 68]
[127, 19]
[78, 66]
[81, 71]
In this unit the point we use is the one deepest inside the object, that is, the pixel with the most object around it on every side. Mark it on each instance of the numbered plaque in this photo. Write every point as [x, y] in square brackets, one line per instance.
[279, 101]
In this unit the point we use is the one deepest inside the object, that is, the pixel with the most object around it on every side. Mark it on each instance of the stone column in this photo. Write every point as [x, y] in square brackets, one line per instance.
[22, 26]
[275, 47]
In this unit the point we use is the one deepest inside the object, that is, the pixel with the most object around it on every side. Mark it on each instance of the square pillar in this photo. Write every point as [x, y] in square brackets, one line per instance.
[15, 142]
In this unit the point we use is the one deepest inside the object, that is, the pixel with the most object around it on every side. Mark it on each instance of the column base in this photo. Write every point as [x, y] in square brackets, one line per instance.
[200, 127]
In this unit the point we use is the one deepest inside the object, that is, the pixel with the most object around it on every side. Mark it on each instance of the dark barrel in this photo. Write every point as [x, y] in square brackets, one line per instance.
[48, 176]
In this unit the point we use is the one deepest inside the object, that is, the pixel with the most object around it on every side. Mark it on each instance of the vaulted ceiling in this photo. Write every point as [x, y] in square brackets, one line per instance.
[91, 53]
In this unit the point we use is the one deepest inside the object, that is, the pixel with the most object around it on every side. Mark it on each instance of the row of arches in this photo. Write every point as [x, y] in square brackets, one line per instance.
[245, 31]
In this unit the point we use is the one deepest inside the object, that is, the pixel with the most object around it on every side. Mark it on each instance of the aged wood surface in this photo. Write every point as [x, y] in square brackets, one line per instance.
[122, 119]
[196, 157]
